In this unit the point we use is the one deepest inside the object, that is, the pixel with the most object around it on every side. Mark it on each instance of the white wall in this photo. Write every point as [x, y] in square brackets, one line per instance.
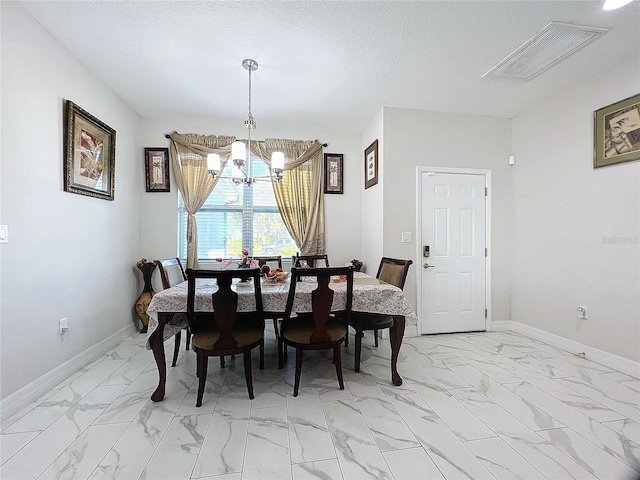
[68, 255]
[576, 228]
[415, 138]
[159, 223]
[372, 215]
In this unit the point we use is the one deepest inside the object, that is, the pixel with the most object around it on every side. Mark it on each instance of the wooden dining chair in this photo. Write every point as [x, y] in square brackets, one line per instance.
[321, 329]
[225, 330]
[171, 274]
[310, 260]
[393, 271]
[274, 261]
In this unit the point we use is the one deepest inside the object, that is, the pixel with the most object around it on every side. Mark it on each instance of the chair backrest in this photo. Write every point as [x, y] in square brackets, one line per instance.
[224, 301]
[171, 272]
[321, 297]
[393, 271]
[264, 260]
[310, 260]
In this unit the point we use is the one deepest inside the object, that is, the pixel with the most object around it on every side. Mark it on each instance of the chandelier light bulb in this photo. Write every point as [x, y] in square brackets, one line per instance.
[238, 153]
[277, 161]
[213, 163]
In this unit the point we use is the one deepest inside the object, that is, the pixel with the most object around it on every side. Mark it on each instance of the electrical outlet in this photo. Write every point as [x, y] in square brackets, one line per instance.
[406, 237]
[63, 326]
[583, 312]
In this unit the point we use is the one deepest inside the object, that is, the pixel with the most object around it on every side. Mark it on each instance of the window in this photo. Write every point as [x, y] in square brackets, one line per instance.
[236, 216]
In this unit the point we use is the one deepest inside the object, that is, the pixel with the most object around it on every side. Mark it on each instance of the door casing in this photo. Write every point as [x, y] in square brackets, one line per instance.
[420, 241]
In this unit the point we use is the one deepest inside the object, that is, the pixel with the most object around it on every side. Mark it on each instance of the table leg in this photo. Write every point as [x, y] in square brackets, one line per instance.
[156, 340]
[396, 333]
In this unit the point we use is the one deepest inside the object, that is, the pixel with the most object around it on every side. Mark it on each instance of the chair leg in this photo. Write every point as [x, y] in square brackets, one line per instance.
[337, 361]
[176, 348]
[358, 339]
[203, 361]
[188, 339]
[346, 338]
[247, 372]
[296, 384]
[375, 336]
[221, 361]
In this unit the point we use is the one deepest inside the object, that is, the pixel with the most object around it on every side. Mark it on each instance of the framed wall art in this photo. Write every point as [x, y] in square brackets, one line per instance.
[371, 165]
[617, 133]
[333, 169]
[89, 154]
[156, 166]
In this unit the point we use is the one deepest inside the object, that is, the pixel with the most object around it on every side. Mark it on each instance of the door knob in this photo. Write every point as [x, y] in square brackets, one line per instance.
[426, 265]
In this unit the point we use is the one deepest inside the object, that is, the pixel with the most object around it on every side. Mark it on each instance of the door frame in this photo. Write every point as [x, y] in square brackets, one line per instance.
[420, 242]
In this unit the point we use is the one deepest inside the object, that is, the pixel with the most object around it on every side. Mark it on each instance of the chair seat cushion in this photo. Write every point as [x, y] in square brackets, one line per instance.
[370, 321]
[299, 330]
[245, 335]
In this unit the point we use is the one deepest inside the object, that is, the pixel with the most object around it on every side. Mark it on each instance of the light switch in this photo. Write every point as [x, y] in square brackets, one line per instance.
[4, 233]
[406, 237]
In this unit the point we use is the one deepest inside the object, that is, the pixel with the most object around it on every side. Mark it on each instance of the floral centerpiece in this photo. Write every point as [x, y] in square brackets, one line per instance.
[357, 264]
[245, 261]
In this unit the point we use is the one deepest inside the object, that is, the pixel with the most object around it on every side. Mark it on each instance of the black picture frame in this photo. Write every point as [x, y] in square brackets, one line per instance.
[333, 173]
[156, 167]
[371, 165]
[89, 154]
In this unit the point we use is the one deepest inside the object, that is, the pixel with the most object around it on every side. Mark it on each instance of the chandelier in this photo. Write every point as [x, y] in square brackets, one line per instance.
[239, 152]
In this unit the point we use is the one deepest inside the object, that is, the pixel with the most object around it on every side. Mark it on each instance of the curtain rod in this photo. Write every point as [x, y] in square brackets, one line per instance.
[169, 136]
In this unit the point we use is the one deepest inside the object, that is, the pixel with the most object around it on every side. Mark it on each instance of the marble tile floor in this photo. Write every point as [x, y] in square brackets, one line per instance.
[473, 406]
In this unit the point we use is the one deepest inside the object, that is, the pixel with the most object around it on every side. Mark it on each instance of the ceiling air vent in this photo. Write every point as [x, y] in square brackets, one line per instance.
[549, 46]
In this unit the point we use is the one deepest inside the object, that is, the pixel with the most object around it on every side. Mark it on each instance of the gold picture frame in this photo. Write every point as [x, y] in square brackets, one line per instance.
[89, 154]
[617, 133]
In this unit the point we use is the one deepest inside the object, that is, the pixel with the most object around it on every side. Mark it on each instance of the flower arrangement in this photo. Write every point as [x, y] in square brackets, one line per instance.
[245, 261]
[357, 264]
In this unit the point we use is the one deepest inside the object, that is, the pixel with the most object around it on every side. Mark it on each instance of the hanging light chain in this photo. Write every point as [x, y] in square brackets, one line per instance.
[251, 122]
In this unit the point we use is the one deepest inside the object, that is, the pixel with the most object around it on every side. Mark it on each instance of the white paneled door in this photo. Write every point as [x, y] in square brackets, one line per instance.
[454, 272]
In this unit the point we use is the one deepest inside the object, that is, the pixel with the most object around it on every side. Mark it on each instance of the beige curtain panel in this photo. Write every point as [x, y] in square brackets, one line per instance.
[188, 154]
[299, 193]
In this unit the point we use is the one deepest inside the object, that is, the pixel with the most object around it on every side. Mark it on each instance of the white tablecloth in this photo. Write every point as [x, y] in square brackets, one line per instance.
[369, 295]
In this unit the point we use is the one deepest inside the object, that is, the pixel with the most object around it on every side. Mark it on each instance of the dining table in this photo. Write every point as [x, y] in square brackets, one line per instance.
[167, 311]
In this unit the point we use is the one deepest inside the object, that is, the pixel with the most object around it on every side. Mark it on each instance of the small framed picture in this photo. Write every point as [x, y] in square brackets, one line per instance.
[371, 165]
[617, 133]
[89, 154]
[156, 166]
[333, 173]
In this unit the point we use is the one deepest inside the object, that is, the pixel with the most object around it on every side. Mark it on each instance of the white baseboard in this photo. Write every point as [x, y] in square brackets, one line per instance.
[624, 365]
[34, 390]
[411, 331]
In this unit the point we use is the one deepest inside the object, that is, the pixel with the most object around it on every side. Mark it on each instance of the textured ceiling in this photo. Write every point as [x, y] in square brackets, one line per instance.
[327, 64]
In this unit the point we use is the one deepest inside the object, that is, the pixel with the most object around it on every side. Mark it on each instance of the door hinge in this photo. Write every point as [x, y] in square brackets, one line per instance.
[485, 313]
[486, 252]
[486, 191]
